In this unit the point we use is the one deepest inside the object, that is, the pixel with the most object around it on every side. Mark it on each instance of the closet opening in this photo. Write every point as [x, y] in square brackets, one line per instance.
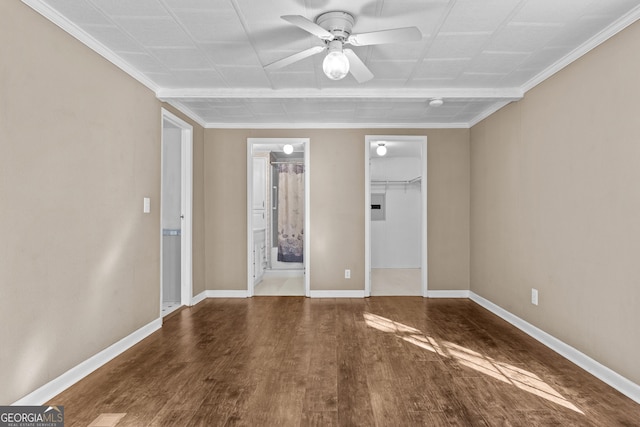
[396, 215]
[277, 216]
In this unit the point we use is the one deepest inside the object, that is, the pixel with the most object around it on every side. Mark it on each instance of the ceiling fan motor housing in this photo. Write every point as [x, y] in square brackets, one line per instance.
[339, 24]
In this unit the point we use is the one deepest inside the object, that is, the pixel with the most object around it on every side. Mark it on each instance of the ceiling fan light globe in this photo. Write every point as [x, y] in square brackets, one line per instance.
[335, 65]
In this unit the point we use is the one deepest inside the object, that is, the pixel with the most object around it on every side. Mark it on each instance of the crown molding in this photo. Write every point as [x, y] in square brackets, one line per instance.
[312, 125]
[52, 15]
[583, 49]
[489, 111]
[186, 111]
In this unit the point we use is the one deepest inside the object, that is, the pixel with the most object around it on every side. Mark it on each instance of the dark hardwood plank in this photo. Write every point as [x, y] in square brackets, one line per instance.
[291, 361]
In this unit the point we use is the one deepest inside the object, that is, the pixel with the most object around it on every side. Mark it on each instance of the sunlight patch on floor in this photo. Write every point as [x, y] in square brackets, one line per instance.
[107, 420]
[504, 372]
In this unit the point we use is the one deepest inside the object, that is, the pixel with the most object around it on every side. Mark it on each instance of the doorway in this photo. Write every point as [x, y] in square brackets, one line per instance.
[396, 215]
[278, 216]
[176, 213]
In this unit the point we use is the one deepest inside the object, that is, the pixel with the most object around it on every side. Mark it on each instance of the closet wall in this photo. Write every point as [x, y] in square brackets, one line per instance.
[395, 240]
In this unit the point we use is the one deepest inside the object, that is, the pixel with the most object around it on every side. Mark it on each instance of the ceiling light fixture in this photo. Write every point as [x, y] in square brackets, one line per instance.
[436, 102]
[381, 150]
[335, 64]
[288, 149]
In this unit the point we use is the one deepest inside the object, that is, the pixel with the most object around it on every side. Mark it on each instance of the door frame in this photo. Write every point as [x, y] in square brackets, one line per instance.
[306, 142]
[186, 201]
[419, 139]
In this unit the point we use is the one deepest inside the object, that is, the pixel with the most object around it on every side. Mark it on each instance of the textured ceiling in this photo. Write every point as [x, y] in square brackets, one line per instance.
[207, 57]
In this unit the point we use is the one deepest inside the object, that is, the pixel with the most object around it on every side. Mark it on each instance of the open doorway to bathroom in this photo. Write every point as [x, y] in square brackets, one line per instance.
[175, 213]
[396, 215]
[278, 216]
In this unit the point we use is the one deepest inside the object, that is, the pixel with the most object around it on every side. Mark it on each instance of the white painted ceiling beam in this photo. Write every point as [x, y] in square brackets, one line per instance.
[363, 93]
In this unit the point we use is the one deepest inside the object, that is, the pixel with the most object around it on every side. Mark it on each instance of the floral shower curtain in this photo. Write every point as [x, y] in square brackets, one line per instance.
[290, 212]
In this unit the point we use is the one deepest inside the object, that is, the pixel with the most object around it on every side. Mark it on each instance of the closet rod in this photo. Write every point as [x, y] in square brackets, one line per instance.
[292, 162]
[410, 181]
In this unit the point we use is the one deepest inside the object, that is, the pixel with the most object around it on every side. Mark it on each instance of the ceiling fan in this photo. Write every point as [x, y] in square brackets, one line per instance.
[334, 28]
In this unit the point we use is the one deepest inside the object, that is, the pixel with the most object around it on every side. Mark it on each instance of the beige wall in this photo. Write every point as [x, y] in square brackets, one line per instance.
[337, 205]
[555, 205]
[79, 149]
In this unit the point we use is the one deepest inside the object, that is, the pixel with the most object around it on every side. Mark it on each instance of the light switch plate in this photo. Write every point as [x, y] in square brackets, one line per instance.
[146, 208]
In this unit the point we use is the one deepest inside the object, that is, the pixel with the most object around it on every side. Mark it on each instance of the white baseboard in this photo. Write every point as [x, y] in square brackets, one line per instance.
[615, 380]
[75, 374]
[199, 298]
[337, 294]
[448, 294]
[215, 293]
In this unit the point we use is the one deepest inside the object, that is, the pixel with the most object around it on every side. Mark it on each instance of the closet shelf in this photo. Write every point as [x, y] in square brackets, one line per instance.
[406, 182]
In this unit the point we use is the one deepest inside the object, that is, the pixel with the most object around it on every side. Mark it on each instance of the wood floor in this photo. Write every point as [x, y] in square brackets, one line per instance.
[380, 361]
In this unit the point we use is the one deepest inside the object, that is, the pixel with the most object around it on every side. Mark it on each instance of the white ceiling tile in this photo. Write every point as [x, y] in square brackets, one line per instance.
[221, 5]
[115, 39]
[474, 15]
[244, 77]
[400, 52]
[442, 68]
[395, 70]
[143, 62]
[212, 26]
[519, 37]
[155, 32]
[232, 53]
[142, 8]
[197, 78]
[497, 62]
[80, 12]
[266, 108]
[545, 11]
[185, 58]
[458, 45]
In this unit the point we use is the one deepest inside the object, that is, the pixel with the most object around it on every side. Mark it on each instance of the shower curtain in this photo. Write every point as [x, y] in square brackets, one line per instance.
[290, 212]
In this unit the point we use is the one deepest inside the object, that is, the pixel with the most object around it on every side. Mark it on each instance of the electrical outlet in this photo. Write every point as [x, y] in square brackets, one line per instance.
[347, 274]
[534, 296]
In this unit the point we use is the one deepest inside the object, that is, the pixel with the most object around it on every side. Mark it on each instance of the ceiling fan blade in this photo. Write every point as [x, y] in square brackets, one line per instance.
[294, 58]
[397, 35]
[357, 68]
[311, 27]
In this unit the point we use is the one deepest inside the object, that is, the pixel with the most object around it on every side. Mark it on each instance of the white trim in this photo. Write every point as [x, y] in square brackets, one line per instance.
[337, 294]
[317, 125]
[75, 374]
[424, 272]
[186, 111]
[52, 15]
[232, 293]
[199, 298]
[585, 48]
[489, 111]
[615, 380]
[510, 93]
[448, 294]
[306, 142]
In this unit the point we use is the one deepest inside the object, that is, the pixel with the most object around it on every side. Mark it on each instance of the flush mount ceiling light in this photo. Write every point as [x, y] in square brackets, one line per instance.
[436, 102]
[334, 29]
[288, 149]
[381, 150]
